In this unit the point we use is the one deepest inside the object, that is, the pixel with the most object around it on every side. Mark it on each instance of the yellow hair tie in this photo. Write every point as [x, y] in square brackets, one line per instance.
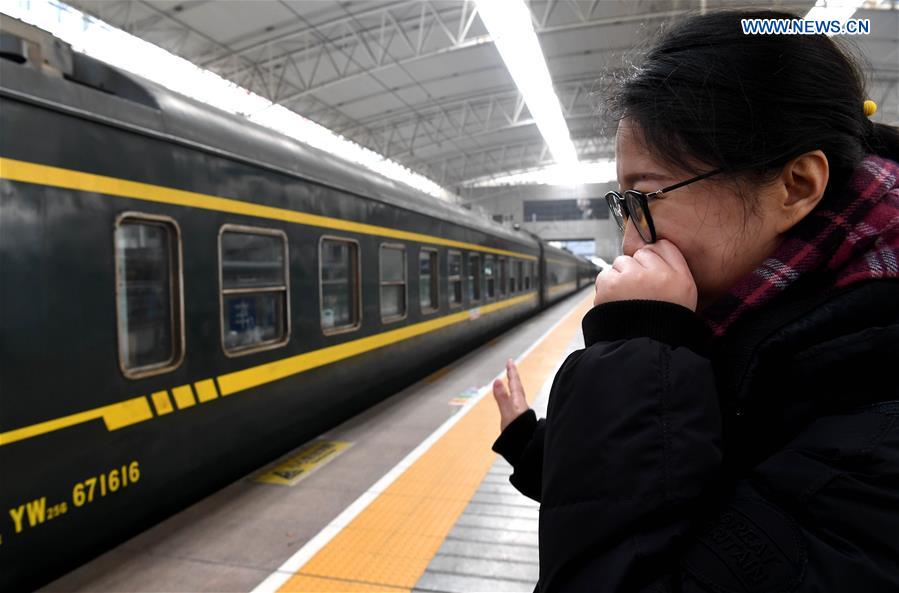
[870, 108]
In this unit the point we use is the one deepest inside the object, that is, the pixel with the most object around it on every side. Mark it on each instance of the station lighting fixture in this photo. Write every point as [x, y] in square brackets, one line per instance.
[601, 171]
[116, 47]
[509, 24]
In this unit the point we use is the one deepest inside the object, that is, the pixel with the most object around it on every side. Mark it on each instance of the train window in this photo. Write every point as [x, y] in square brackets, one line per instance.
[489, 280]
[254, 289]
[532, 273]
[527, 275]
[474, 277]
[503, 275]
[455, 278]
[339, 274]
[520, 274]
[429, 287]
[149, 296]
[393, 282]
[512, 278]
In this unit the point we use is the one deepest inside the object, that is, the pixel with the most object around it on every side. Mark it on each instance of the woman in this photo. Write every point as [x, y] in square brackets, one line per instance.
[733, 422]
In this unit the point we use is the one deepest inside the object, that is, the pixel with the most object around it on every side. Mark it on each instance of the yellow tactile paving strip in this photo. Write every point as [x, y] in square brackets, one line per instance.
[388, 546]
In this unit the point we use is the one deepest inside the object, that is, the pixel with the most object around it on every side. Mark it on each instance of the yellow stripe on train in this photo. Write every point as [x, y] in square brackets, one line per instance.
[132, 411]
[26, 172]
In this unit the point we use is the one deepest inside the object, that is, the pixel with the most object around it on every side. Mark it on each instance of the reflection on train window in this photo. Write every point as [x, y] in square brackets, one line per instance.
[512, 278]
[429, 287]
[393, 282]
[339, 260]
[454, 262]
[527, 276]
[519, 273]
[148, 294]
[488, 276]
[474, 277]
[503, 275]
[255, 294]
[531, 274]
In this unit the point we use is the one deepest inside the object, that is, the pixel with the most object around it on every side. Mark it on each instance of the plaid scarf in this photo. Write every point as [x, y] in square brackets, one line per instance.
[857, 243]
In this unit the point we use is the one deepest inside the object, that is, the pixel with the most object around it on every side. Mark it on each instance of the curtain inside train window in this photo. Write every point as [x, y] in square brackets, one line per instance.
[340, 280]
[254, 289]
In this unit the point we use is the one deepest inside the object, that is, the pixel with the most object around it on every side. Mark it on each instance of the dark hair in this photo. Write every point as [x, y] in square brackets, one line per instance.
[750, 103]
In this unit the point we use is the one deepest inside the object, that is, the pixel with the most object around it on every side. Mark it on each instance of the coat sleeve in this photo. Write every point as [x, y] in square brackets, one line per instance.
[521, 444]
[632, 499]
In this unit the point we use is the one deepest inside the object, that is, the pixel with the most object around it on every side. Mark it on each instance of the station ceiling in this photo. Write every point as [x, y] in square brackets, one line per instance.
[419, 81]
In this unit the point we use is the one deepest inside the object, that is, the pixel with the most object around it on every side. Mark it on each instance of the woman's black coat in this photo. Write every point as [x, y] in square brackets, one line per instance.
[766, 462]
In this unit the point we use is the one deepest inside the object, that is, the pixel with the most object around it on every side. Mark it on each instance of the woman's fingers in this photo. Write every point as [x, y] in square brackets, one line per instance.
[500, 393]
[648, 258]
[624, 263]
[671, 255]
[510, 405]
[657, 272]
[515, 385]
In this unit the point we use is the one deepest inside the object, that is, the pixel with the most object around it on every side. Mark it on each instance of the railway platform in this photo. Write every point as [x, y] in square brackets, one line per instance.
[406, 496]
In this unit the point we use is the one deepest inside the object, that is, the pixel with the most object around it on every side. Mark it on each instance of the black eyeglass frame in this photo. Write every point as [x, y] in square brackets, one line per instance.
[619, 203]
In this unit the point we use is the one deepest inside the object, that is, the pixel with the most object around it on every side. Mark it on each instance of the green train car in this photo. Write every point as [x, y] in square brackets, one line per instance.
[185, 295]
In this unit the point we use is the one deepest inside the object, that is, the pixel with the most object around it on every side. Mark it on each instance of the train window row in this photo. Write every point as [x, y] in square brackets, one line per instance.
[254, 280]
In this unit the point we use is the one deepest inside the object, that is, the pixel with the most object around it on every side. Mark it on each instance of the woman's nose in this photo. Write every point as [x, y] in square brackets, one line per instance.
[632, 240]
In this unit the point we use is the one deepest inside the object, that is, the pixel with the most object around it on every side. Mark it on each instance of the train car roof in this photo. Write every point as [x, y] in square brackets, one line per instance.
[551, 250]
[121, 98]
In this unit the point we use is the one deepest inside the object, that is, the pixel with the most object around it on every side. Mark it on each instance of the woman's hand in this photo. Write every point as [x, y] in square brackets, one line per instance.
[511, 402]
[656, 272]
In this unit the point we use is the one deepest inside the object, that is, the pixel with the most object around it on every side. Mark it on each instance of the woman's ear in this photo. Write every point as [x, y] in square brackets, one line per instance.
[803, 181]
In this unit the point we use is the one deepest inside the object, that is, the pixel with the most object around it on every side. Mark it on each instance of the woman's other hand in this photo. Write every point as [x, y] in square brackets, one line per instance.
[511, 402]
[656, 272]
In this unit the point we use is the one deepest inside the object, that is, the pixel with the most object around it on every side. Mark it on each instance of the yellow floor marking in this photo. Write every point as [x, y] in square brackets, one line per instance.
[328, 584]
[308, 459]
[392, 541]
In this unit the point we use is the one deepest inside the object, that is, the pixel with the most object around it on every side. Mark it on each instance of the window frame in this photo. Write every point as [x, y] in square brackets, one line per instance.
[475, 288]
[434, 280]
[357, 302]
[405, 283]
[460, 277]
[262, 346]
[176, 297]
[488, 294]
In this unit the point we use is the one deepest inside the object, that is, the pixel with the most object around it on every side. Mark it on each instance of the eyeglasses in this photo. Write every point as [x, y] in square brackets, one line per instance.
[634, 205]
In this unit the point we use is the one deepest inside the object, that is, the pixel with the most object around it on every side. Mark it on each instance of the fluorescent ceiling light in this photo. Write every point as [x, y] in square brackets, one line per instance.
[97, 39]
[509, 24]
[581, 174]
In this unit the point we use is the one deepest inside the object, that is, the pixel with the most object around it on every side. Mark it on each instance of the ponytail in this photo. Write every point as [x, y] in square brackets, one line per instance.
[883, 140]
